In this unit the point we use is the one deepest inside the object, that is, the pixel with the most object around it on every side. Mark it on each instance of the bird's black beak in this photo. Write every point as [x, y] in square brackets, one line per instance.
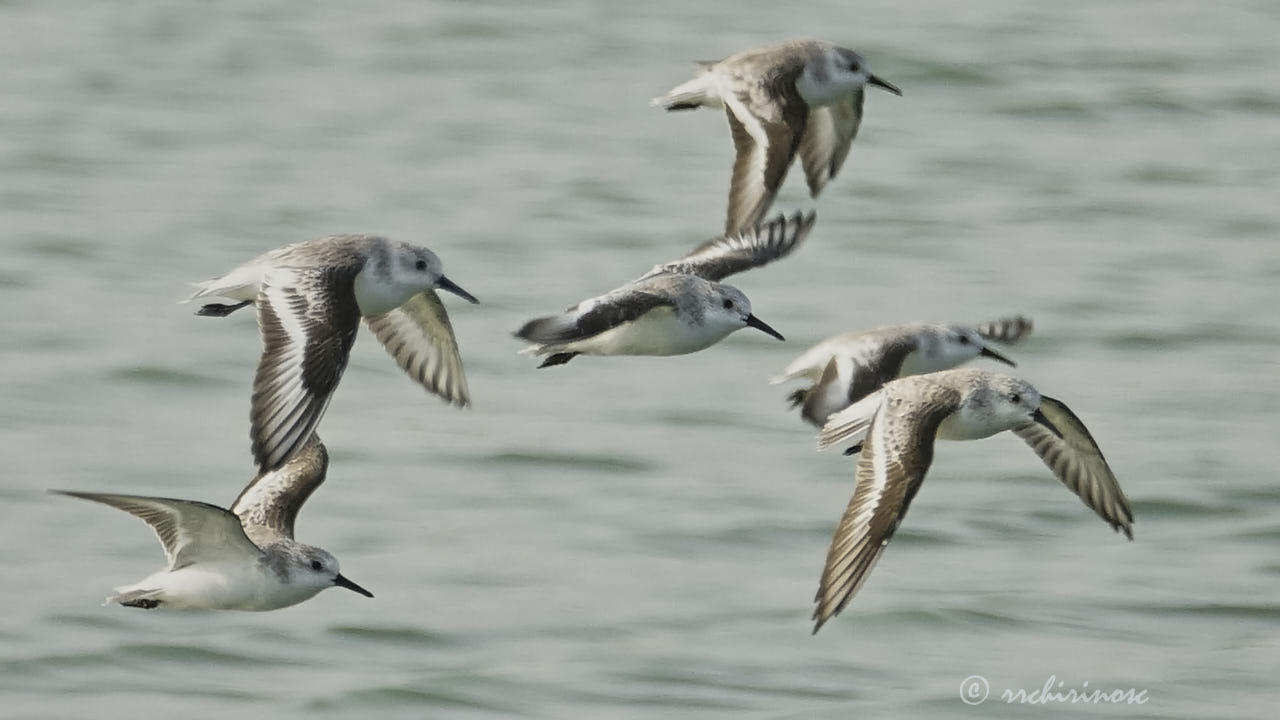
[873, 80]
[988, 352]
[342, 581]
[757, 323]
[1040, 418]
[445, 283]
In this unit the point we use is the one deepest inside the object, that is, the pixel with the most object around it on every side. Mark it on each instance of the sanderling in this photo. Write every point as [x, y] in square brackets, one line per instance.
[845, 368]
[676, 308]
[244, 558]
[898, 425]
[310, 297]
[799, 96]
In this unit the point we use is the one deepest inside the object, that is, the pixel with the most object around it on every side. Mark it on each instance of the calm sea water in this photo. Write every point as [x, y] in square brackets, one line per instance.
[641, 537]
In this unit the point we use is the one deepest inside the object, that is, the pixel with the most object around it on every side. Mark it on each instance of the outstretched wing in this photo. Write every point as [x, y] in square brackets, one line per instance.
[189, 531]
[308, 320]
[895, 457]
[419, 336]
[269, 504]
[826, 140]
[1065, 445]
[766, 121]
[723, 256]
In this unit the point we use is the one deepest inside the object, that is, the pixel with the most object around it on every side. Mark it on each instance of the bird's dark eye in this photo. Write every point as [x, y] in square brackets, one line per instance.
[317, 565]
[728, 304]
[1015, 398]
[421, 265]
[964, 339]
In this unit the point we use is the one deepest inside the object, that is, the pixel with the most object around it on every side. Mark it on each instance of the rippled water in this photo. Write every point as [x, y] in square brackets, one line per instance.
[641, 537]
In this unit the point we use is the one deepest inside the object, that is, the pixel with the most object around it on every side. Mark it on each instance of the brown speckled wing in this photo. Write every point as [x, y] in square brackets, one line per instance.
[894, 459]
[268, 506]
[766, 123]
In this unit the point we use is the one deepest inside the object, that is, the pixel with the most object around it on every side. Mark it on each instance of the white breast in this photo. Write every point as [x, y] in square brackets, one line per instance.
[658, 332]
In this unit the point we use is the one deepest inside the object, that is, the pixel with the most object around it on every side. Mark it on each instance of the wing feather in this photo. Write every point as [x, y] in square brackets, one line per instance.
[268, 506]
[189, 531]
[1076, 460]
[594, 316]
[307, 329]
[766, 123]
[726, 255]
[827, 136]
[420, 337]
[1006, 329]
[894, 459]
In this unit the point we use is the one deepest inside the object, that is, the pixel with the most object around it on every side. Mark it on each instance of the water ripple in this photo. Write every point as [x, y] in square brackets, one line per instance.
[403, 635]
[365, 698]
[581, 461]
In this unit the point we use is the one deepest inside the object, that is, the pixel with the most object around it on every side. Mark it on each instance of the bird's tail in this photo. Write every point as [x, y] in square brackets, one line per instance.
[241, 283]
[146, 598]
[215, 288]
[852, 423]
[550, 330]
[695, 93]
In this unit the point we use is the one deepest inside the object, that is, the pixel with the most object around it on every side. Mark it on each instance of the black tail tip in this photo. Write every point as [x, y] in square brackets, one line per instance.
[557, 359]
[220, 309]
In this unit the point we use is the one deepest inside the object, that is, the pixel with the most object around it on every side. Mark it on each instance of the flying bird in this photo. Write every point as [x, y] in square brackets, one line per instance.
[310, 297]
[799, 96]
[676, 308]
[845, 368]
[897, 426]
[244, 558]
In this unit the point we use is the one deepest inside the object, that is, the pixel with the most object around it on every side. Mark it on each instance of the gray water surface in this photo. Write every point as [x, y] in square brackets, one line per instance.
[641, 537]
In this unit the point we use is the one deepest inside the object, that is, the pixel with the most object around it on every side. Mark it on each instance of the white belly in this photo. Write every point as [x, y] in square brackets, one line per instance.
[657, 332]
[919, 363]
[222, 587]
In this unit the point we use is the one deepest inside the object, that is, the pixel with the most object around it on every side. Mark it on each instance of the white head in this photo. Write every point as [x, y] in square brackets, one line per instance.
[995, 402]
[308, 568]
[397, 271]
[728, 309]
[849, 72]
[946, 346]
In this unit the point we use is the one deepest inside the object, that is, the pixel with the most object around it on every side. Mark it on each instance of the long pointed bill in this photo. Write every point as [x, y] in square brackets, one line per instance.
[342, 581]
[445, 283]
[988, 352]
[873, 80]
[1040, 418]
[757, 323]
